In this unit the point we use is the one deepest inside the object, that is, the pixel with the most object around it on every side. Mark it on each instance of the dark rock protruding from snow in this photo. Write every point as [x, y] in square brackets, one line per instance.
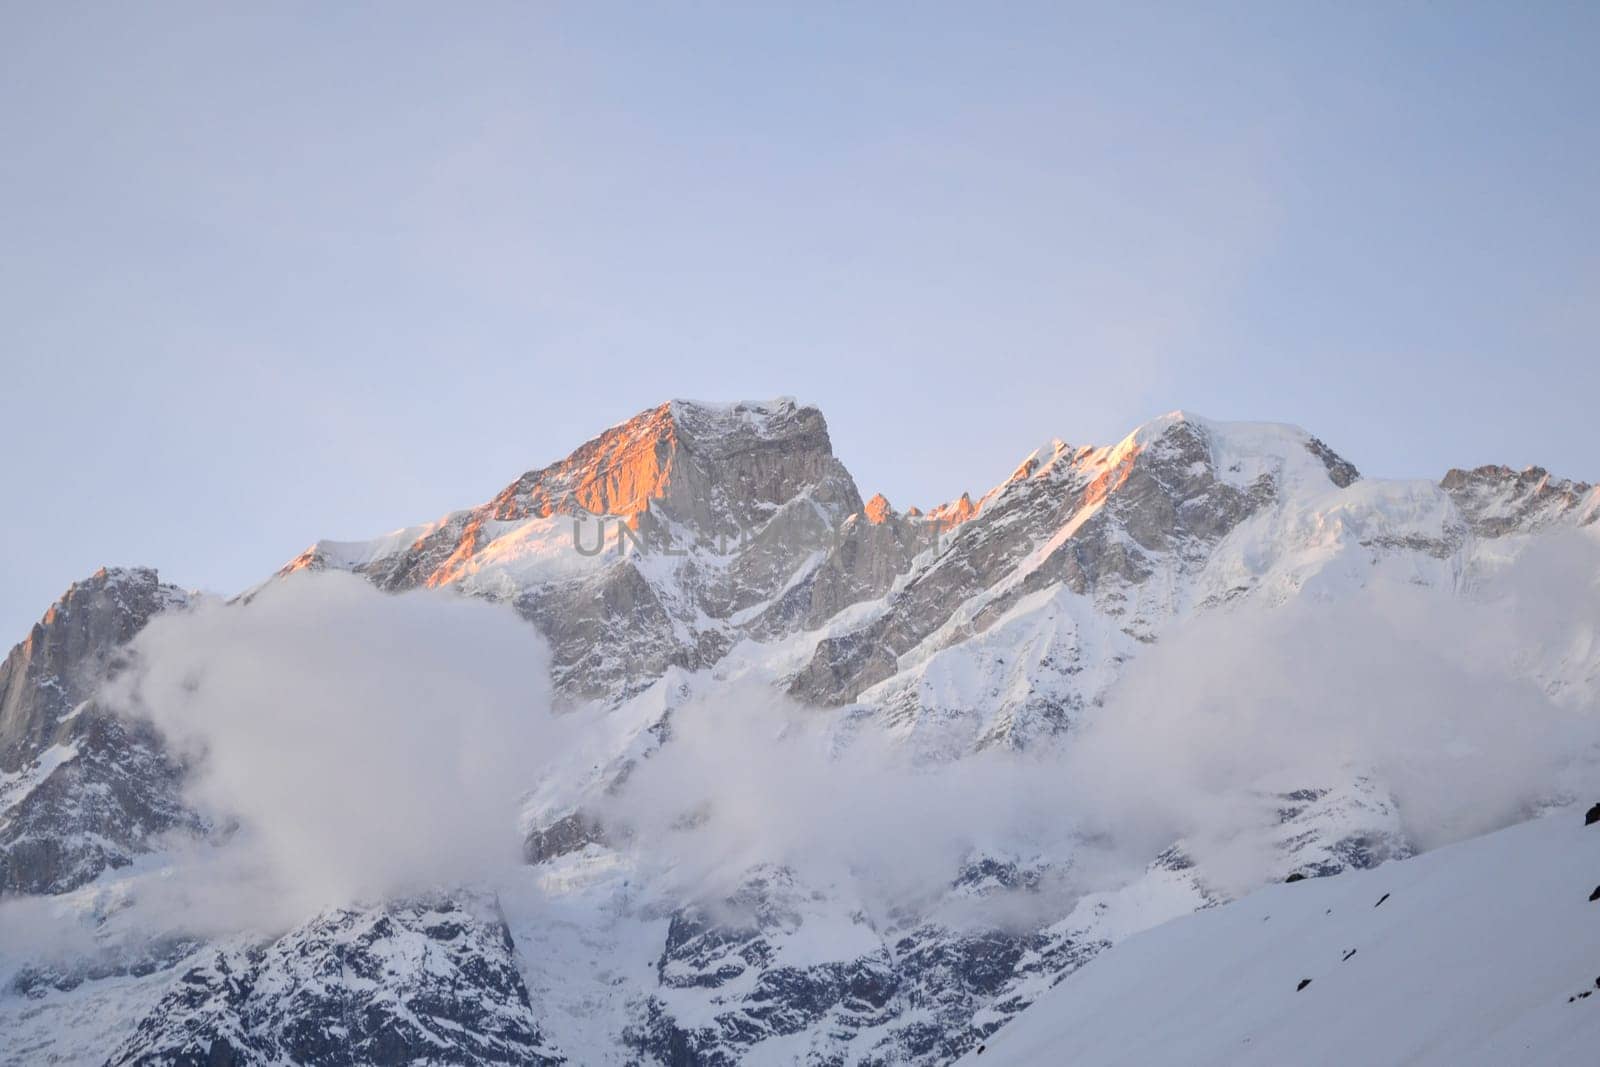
[1593, 816]
[407, 984]
[924, 995]
[1498, 500]
[567, 834]
[81, 790]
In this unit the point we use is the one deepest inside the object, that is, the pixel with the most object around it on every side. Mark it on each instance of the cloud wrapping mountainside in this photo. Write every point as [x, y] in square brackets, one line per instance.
[364, 744]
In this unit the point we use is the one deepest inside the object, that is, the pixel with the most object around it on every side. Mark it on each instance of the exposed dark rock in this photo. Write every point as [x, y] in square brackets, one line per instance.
[1341, 472]
[411, 984]
[87, 790]
[909, 1001]
[1303, 983]
[1498, 500]
[136, 960]
[1174, 858]
[567, 834]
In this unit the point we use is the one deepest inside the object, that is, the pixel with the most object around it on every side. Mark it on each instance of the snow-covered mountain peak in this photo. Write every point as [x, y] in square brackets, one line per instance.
[714, 471]
[1239, 452]
[642, 459]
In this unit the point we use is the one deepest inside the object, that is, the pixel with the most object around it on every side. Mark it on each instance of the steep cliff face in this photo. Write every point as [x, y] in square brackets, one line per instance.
[651, 546]
[69, 653]
[81, 790]
[715, 473]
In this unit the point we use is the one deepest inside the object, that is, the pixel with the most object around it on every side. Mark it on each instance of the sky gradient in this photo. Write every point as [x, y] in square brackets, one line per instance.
[300, 271]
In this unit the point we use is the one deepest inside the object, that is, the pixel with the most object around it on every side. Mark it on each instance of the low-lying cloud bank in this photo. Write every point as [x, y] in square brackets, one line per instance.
[749, 777]
[1468, 711]
[365, 745]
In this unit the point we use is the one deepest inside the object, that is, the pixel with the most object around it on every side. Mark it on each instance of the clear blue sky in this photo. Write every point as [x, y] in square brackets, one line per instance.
[276, 272]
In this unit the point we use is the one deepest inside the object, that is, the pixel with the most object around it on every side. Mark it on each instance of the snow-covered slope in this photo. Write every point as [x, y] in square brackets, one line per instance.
[1484, 952]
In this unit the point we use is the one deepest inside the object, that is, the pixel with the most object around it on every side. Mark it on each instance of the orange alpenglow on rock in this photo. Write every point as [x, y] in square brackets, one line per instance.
[617, 473]
[1113, 478]
[710, 471]
[953, 514]
[877, 509]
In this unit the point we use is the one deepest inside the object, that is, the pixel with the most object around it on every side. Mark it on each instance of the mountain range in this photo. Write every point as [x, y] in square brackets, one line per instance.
[1207, 658]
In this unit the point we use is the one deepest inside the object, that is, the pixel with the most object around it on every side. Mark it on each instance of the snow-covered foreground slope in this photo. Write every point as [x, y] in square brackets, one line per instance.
[1471, 954]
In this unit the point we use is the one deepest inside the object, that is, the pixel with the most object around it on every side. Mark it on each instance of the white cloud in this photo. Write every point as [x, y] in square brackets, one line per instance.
[1462, 708]
[365, 743]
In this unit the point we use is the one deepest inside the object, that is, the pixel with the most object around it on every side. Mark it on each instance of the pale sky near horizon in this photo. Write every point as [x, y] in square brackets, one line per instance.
[292, 271]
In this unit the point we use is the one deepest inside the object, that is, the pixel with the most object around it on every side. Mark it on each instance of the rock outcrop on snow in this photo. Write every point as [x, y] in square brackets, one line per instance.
[422, 982]
[81, 790]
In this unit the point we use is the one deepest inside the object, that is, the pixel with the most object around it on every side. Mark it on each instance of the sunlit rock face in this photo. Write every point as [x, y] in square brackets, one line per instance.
[81, 790]
[950, 515]
[654, 545]
[721, 472]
